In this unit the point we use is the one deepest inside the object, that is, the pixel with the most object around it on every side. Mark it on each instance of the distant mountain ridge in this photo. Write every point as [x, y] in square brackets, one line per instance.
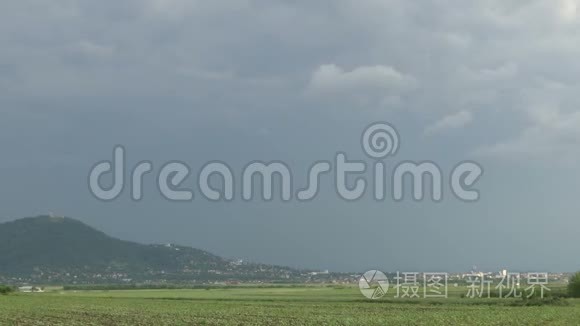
[65, 250]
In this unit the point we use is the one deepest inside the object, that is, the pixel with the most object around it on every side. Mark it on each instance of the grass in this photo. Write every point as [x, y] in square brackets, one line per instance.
[269, 306]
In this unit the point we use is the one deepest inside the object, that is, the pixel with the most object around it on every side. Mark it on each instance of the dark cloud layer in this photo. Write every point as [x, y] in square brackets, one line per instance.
[240, 80]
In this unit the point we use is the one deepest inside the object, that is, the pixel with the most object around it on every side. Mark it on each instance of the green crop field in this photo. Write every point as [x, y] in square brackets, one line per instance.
[272, 306]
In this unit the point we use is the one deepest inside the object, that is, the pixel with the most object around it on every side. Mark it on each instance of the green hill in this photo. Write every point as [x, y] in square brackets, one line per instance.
[59, 249]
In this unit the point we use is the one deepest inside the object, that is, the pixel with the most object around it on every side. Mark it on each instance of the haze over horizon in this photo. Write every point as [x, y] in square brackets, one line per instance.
[246, 80]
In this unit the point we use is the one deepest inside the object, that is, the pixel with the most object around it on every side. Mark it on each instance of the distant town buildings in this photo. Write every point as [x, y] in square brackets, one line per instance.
[30, 289]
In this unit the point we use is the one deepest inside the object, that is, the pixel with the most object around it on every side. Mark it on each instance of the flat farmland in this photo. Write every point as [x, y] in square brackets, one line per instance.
[271, 306]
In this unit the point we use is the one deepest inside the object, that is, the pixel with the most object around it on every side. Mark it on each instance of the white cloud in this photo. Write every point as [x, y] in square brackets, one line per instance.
[366, 85]
[502, 72]
[568, 9]
[551, 134]
[454, 121]
[92, 49]
[332, 78]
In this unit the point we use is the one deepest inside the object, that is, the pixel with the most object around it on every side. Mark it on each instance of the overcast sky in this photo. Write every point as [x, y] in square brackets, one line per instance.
[494, 81]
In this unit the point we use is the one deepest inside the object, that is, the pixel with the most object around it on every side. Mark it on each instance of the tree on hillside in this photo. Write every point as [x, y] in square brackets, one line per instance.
[5, 289]
[574, 286]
